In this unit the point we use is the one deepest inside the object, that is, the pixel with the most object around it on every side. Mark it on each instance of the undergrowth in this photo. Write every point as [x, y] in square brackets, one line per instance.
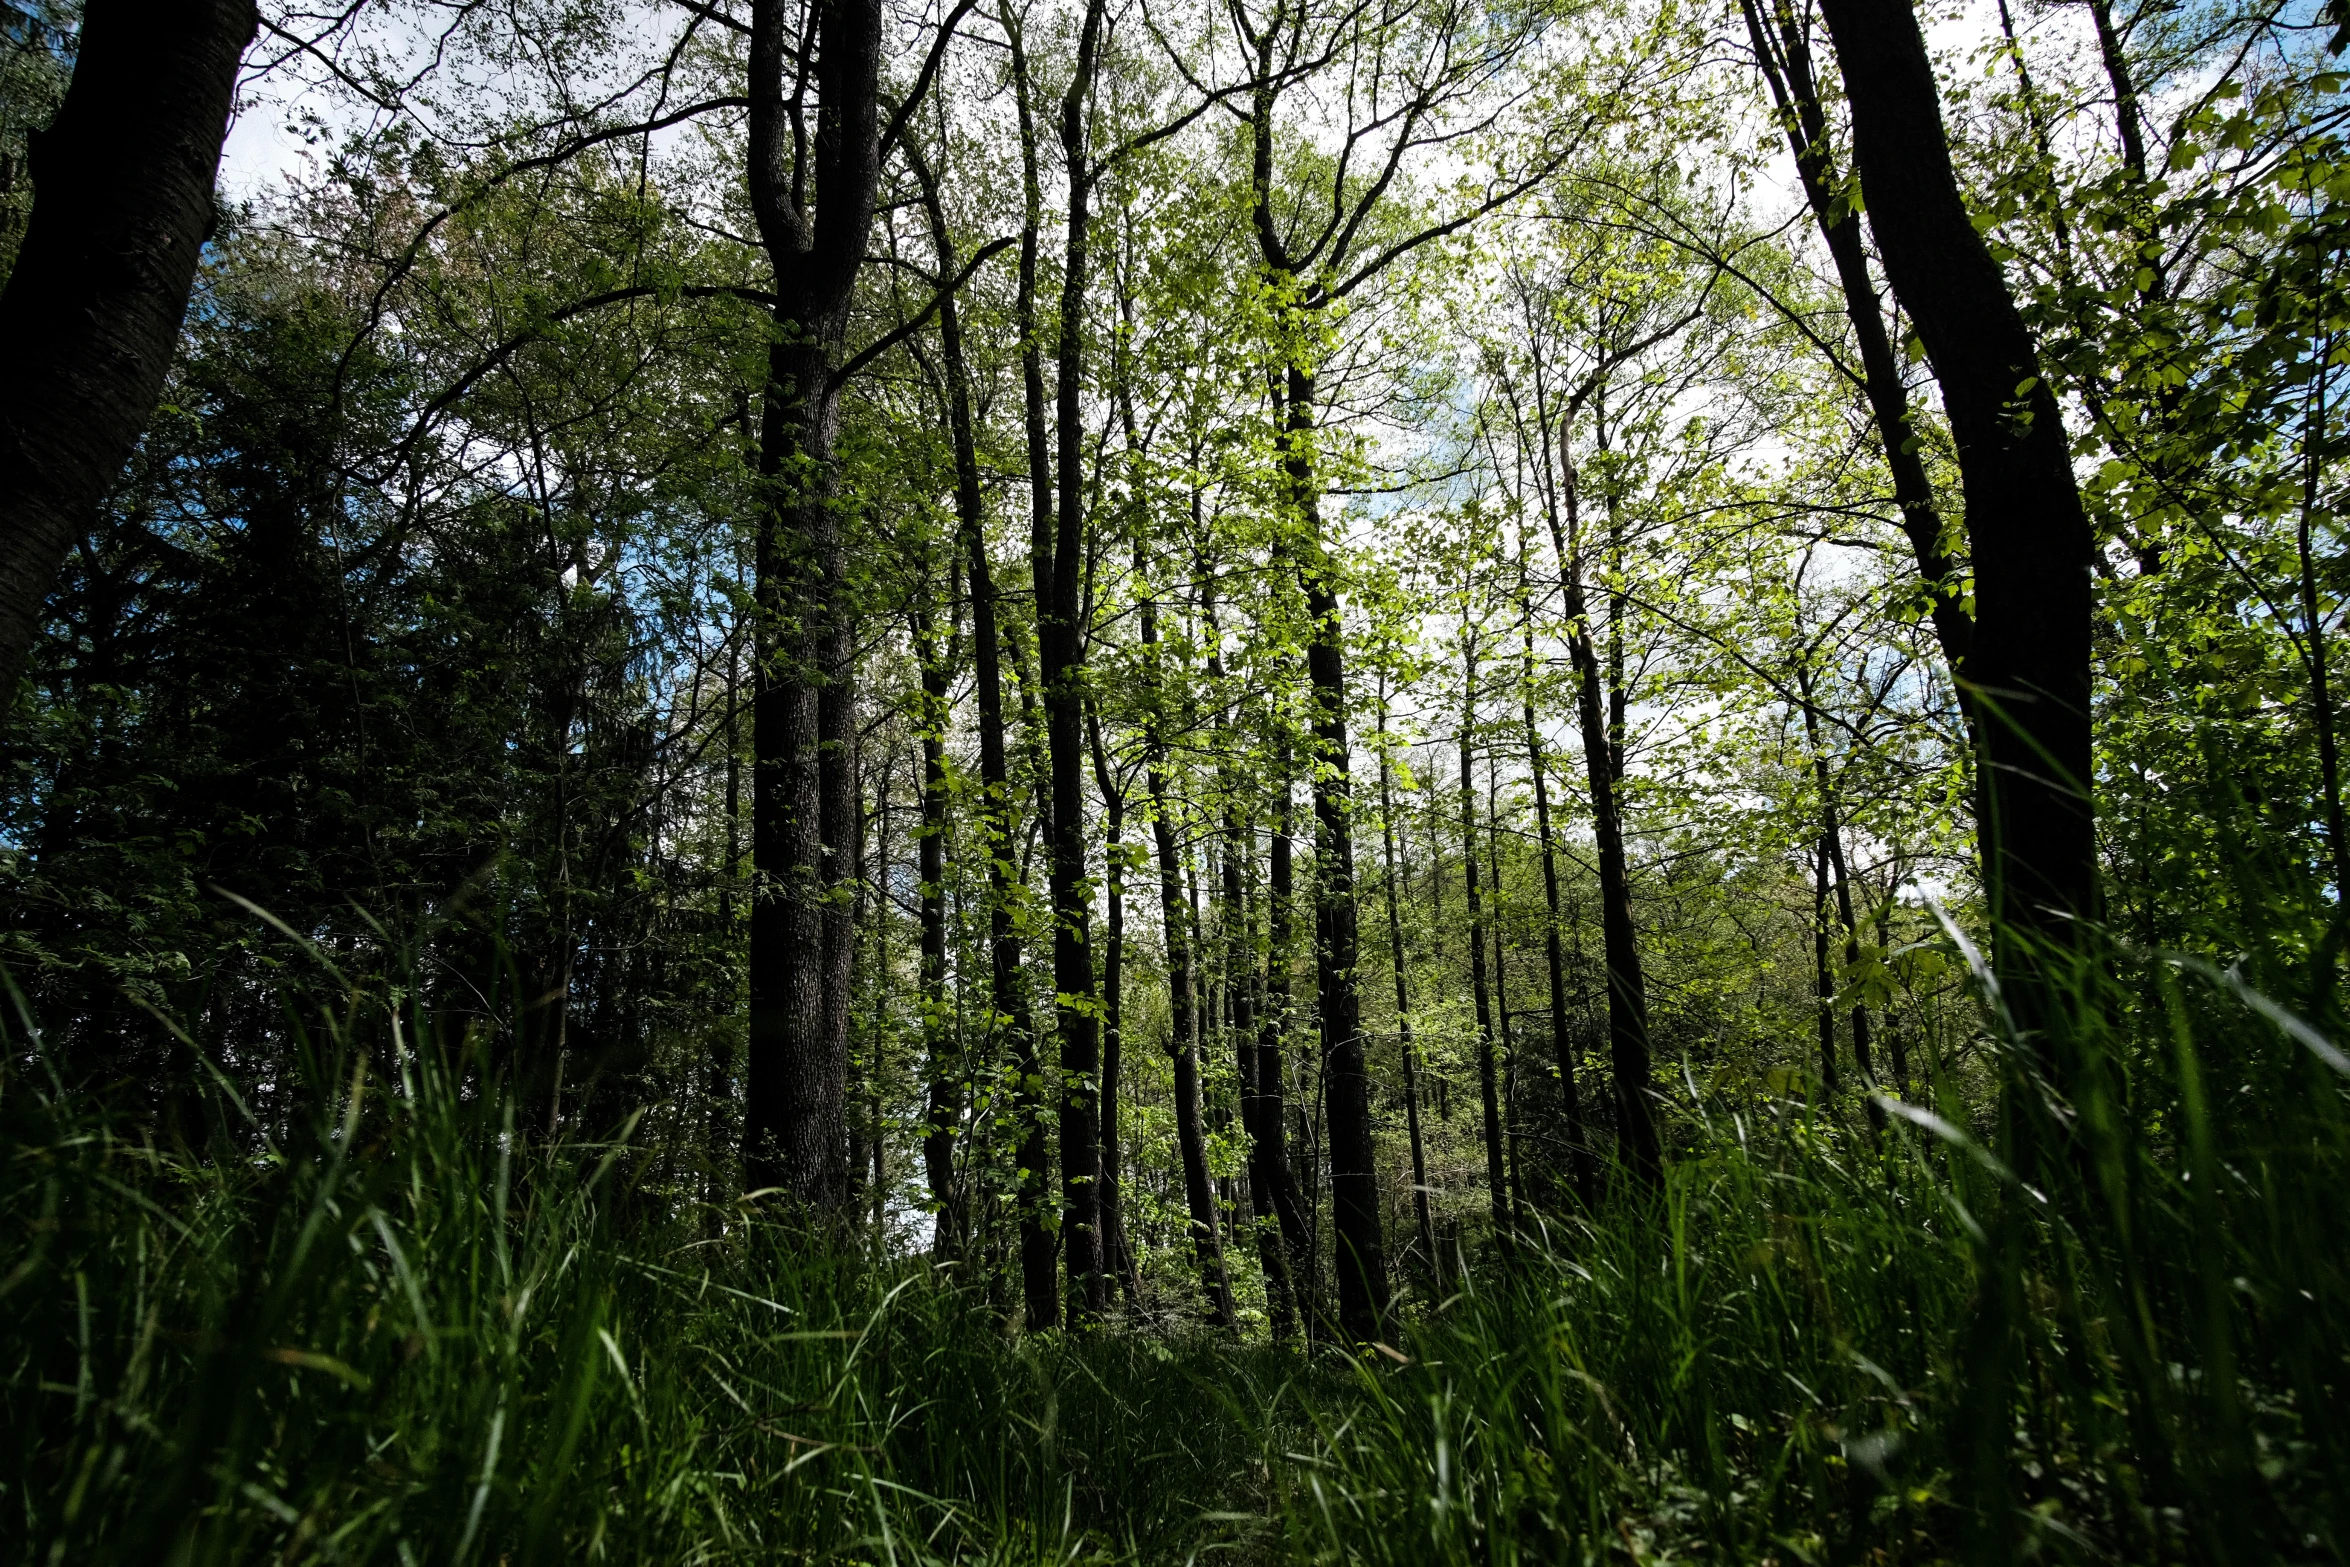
[396, 1329]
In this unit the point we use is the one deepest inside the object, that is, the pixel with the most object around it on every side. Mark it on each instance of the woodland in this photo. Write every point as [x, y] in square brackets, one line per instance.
[1173, 780]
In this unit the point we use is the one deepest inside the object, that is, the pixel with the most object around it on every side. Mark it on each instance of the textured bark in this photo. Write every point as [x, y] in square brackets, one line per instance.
[1007, 991]
[943, 1109]
[1061, 643]
[1276, 1171]
[1505, 1216]
[1578, 1139]
[1039, 1264]
[1117, 1255]
[804, 792]
[122, 205]
[1182, 994]
[1354, 1177]
[1637, 1144]
[2030, 541]
[1403, 1023]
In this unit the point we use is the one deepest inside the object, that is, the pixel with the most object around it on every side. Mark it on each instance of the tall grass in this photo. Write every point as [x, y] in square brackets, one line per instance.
[395, 1330]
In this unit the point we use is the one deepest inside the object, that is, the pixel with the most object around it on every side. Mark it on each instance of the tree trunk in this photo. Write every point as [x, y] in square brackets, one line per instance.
[1505, 1218]
[1512, 1134]
[2031, 543]
[1039, 1266]
[804, 790]
[1823, 983]
[1627, 987]
[1008, 1002]
[1403, 1022]
[1117, 1255]
[1832, 848]
[1183, 1035]
[1272, 1150]
[1260, 1115]
[123, 203]
[1578, 1139]
[1354, 1176]
[1061, 644]
[943, 1110]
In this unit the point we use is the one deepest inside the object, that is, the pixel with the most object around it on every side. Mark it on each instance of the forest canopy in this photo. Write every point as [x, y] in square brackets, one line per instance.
[1348, 778]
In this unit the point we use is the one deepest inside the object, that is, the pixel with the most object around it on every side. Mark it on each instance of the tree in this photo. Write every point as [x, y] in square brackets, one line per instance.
[91, 311]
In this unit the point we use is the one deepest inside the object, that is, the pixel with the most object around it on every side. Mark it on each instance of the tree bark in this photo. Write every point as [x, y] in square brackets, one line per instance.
[1578, 1139]
[123, 202]
[1117, 1256]
[1354, 1177]
[1505, 1218]
[2031, 543]
[804, 789]
[943, 1109]
[1039, 1266]
[1008, 1002]
[1637, 1144]
[1183, 1033]
[1403, 1022]
[1279, 1176]
[1061, 645]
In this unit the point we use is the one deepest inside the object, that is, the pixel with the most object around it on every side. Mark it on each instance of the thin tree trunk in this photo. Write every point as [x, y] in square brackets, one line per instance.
[1832, 845]
[1823, 983]
[2032, 547]
[1183, 1036]
[1008, 1002]
[1578, 1138]
[1512, 1132]
[1505, 1216]
[1117, 1255]
[1039, 1266]
[1627, 987]
[1260, 1113]
[123, 203]
[1403, 1019]
[1787, 68]
[1272, 1068]
[943, 1109]
[1061, 644]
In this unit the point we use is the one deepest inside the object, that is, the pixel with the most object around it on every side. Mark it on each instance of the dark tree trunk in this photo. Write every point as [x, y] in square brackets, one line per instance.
[1061, 645]
[1832, 850]
[1403, 1023]
[1008, 1001]
[1505, 1216]
[1823, 983]
[1272, 1150]
[943, 1110]
[1354, 1177]
[1260, 1115]
[1637, 1144]
[1561, 1043]
[1511, 1140]
[1117, 1256]
[2031, 543]
[122, 184]
[1183, 1035]
[1780, 47]
[804, 789]
[1039, 1266]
